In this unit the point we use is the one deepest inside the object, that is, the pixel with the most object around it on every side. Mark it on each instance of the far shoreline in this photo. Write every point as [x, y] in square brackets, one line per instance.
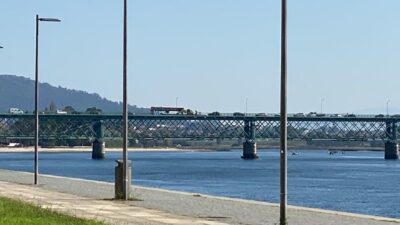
[187, 149]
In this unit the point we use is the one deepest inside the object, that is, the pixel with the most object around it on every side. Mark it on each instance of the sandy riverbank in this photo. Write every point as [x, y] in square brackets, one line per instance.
[170, 149]
[89, 149]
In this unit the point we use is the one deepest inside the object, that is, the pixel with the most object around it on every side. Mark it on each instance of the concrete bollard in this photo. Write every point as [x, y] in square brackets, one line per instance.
[391, 150]
[98, 149]
[119, 180]
[249, 150]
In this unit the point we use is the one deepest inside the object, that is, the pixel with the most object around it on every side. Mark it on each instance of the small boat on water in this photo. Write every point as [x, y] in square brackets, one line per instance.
[332, 152]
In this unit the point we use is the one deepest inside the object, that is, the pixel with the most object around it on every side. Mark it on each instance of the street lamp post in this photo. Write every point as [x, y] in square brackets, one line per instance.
[247, 99]
[125, 173]
[176, 102]
[387, 107]
[36, 165]
[283, 121]
[322, 101]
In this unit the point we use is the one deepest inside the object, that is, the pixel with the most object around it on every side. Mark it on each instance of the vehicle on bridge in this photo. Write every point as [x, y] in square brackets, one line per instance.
[15, 111]
[312, 114]
[93, 110]
[261, 114]
[216, 113]
[190, 112]
[61, 112]
[238, 114]
[159, 110]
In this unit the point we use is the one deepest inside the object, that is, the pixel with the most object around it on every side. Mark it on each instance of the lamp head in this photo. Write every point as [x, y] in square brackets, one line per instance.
[49, 20]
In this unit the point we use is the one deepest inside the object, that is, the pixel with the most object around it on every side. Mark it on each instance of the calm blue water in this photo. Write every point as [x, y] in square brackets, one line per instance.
[359, 182]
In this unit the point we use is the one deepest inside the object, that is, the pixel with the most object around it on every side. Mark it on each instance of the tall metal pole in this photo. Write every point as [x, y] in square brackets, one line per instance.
[36, 166]
[36, 160]
[322, 101]
[246, 106]
[125, 109]
[387, 107]
[283, 130]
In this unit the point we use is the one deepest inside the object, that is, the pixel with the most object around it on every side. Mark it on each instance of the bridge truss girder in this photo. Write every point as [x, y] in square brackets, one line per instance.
[197, 127]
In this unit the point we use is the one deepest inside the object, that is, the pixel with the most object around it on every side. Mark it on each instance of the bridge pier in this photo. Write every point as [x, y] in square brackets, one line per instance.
[391, 150]
[98, 145]
[98, 149]
[249, 146]
[249, 150]
[391, 145]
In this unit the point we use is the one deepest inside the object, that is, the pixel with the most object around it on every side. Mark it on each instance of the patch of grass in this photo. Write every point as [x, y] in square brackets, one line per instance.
[20, 213]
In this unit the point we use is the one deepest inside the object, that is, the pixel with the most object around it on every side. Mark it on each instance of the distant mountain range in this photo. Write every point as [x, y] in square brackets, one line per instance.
[18, 92]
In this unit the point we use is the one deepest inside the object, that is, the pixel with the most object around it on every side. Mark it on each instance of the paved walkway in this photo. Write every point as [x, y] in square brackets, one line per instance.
[112, 212]
[86, 198]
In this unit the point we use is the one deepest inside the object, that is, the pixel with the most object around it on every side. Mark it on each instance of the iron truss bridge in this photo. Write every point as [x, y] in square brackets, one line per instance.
[198, 127]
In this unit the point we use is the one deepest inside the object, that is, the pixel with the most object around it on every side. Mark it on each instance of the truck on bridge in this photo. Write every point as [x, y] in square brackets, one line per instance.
[160, 110]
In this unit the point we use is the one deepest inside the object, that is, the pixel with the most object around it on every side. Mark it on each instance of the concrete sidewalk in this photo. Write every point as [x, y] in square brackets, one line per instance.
[113, 212]
[86, 198]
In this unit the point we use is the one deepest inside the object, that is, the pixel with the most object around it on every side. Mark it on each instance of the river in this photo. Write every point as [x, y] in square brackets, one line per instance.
[360, 182]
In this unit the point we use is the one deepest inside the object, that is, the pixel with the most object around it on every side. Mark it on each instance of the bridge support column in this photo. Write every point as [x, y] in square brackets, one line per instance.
[391, 145]
[249, 146]
[391, 150]
[249, 150]
[98, 149]
[98, 145]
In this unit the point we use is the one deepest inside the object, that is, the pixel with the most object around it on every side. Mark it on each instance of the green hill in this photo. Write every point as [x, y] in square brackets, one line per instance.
[18, 92]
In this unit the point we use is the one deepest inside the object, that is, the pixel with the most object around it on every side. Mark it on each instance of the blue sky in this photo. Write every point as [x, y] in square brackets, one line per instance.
[213, 54]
